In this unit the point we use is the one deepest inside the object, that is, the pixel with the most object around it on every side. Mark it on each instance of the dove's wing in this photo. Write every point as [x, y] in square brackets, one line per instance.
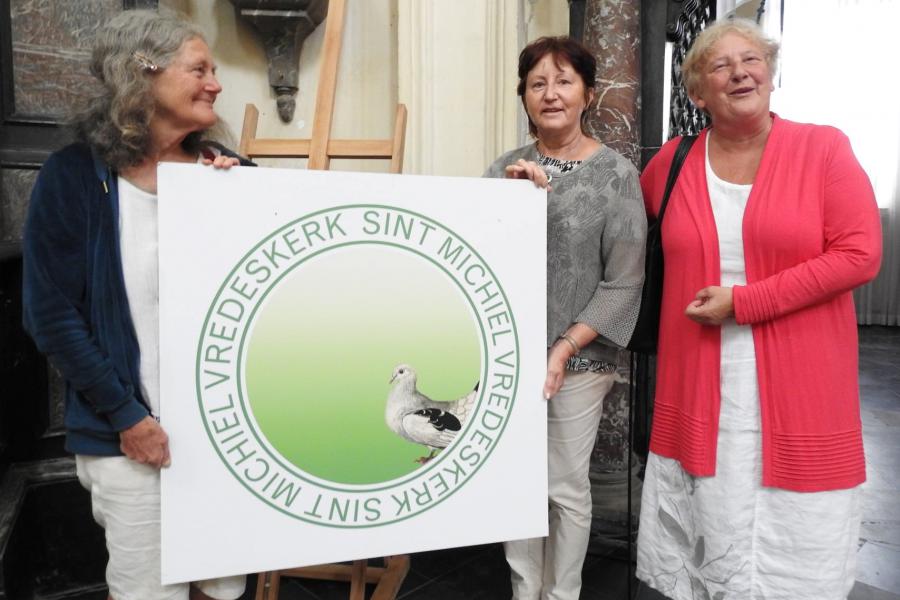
[421, 420]
[463, 407]
[430, 427]
[437, 423]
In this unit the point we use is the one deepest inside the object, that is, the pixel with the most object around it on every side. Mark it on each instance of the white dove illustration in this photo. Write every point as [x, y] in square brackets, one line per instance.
[415, 417]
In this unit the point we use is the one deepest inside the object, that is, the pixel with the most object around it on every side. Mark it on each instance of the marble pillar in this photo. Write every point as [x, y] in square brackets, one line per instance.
[612, 32]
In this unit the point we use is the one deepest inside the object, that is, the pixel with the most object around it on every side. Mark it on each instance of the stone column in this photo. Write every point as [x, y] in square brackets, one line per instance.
[612, 32]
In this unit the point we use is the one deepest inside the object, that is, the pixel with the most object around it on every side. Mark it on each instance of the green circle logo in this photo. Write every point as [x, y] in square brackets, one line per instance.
[357, 366]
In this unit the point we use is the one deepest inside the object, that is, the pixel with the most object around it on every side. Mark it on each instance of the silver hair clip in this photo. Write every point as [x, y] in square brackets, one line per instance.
[145, 63]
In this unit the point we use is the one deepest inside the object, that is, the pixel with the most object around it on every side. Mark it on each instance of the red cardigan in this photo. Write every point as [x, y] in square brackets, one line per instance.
[812, 233]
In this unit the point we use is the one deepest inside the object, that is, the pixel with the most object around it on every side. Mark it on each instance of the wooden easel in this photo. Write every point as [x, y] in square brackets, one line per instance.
[387, 579]
[320, 150]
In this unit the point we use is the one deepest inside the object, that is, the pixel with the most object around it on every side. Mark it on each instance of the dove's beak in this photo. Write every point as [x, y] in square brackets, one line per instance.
[393, 377]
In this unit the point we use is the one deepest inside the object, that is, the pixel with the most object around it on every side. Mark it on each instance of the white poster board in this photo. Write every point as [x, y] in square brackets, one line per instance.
[351, 366]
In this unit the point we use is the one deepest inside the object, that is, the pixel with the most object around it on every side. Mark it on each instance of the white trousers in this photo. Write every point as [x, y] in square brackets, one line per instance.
[125, 502]
[550, 568]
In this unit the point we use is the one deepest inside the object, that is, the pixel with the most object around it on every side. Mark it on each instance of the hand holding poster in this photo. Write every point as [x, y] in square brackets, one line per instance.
[351, 366]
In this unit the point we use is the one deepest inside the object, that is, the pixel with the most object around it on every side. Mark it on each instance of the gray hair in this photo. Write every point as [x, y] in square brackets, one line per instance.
[695, 60]
[127, 52]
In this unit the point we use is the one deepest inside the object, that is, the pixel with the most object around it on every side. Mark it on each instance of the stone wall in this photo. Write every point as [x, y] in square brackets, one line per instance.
[49, 544]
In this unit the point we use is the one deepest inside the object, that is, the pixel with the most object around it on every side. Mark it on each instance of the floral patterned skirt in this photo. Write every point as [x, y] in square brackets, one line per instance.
[727, 537]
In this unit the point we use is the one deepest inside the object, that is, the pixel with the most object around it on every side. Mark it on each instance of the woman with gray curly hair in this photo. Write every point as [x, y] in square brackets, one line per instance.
[91, 278]
[756, 455]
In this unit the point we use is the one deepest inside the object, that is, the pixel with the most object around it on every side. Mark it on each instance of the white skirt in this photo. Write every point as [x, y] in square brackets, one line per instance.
[727, 536]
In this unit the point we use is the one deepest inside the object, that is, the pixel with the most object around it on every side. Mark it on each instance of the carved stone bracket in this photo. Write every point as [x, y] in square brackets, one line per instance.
[283, 26]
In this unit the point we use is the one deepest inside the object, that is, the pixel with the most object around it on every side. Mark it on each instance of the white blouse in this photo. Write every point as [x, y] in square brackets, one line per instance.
[139, 246]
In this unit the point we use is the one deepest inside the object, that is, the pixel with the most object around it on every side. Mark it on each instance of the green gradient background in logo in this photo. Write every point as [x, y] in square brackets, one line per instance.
[317, 367]
[299, 343]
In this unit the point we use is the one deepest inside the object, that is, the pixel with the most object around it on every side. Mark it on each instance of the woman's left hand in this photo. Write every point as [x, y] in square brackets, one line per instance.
[222, 162]
[712, 306]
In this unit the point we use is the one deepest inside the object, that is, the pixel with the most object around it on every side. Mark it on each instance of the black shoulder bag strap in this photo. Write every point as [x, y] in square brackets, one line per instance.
[646, 330]
[648, 335]
[681, 153]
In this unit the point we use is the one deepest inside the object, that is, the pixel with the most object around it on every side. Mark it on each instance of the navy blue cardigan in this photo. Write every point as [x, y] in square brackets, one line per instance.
[75, 305]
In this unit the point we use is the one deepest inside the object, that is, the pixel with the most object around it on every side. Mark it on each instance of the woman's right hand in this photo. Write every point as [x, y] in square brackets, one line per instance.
[146, 442]
[556, 369]
[526, 169]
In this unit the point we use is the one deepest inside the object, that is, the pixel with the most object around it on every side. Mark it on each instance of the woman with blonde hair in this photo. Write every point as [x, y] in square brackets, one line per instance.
[756, 456]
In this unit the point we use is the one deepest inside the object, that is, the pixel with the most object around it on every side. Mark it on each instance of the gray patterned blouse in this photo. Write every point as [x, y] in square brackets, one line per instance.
[596, 231]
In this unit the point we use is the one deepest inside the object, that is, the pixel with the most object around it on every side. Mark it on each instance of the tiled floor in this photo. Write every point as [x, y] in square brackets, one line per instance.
[878, 564]
[480, 572]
